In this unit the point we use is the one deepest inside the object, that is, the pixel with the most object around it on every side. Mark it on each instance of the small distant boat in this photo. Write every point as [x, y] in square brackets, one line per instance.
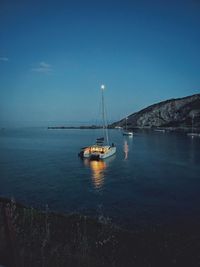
[159, 130]
[101, 149]
[126, 132]
[192, 134]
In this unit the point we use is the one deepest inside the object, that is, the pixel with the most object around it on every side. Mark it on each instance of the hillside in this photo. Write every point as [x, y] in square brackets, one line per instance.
[170, 113]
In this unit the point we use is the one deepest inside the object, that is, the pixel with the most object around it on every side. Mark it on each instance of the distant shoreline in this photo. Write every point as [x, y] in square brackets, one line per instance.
[164, 129]
[74, 127]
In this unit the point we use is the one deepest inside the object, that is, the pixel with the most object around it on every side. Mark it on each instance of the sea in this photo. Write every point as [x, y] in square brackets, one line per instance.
[153, 179]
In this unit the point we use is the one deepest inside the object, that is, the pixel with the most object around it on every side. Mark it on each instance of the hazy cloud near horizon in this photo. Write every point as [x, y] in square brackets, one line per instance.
[42, 67]
[3, 59]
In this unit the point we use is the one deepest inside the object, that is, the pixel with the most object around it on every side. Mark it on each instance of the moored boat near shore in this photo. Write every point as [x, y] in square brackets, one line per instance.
[101, 149]
[126, 131]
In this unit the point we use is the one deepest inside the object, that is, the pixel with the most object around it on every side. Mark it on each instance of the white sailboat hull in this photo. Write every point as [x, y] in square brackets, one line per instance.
[128, 133]
[110, 152]
[194, 134]
[160, 130]
[99, 155]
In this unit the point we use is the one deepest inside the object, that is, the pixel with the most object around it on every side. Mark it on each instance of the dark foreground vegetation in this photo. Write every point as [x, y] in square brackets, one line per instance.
[29, 237]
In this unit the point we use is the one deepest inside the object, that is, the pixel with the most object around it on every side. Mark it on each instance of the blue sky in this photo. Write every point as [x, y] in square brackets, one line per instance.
[54, 55]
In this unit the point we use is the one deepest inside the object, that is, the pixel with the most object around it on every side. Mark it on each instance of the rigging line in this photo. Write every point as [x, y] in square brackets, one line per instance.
[104, 115]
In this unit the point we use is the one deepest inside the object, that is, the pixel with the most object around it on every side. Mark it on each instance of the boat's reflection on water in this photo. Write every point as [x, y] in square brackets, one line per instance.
[126, 149]
[98, 168]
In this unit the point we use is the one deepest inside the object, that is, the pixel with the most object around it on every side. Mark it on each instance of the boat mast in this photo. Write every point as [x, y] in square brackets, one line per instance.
[104, 114]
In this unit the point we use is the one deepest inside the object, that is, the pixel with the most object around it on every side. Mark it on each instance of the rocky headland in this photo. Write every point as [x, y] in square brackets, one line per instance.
[173, 113]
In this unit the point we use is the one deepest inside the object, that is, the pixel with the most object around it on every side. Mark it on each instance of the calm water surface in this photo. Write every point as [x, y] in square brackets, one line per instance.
[154, 178]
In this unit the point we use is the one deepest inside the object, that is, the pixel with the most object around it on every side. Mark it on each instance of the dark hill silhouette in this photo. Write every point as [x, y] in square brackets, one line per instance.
[170, 113]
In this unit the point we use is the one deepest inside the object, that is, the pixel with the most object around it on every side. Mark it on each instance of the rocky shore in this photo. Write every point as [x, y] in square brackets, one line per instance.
[29, 237]
[181, 113]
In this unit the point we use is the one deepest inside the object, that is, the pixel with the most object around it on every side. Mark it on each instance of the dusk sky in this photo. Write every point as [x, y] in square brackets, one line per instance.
[54, 55]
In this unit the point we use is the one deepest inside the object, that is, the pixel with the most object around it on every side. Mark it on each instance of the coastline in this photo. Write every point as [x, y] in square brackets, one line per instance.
[73, 127]
[153, 128]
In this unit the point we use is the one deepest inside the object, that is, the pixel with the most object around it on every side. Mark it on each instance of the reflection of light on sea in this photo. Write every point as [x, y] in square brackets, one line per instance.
[97, 168]
[126, 149]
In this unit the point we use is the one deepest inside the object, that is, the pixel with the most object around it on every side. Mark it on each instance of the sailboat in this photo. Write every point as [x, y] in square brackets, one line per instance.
[101, 149]
[192, 134]
[126, 132]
